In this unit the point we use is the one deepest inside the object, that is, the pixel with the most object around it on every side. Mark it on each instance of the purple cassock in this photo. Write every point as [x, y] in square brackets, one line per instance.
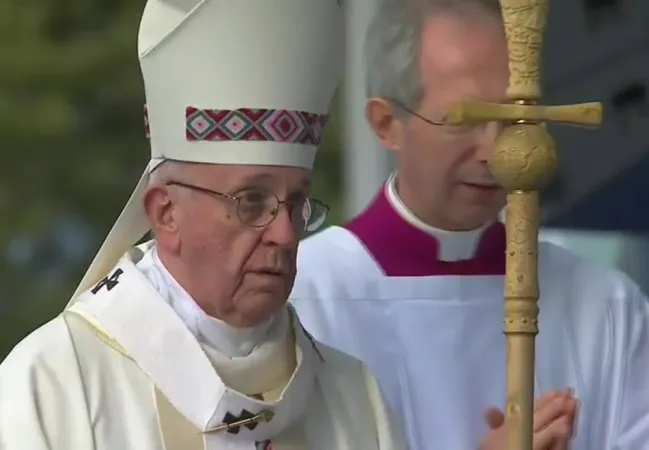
[424, 308]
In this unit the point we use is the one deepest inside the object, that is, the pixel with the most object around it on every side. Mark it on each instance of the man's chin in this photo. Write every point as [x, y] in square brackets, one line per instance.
[257, 305]
[476, 216]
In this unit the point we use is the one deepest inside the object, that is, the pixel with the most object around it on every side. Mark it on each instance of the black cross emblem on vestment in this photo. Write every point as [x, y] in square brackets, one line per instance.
[109, 282]
[230, 418]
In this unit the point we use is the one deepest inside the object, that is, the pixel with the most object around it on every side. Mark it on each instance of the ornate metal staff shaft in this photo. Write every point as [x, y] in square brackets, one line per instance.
[523, 162]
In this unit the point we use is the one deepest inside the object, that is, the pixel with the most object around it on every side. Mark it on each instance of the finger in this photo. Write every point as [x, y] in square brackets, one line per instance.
[575, 420]
[559, 432]
[560, 406]
[551, 395]
[562, 445]
[494, 418]
[571, 419]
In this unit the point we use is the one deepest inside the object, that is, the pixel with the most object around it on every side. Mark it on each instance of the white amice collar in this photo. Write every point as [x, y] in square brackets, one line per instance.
[232, 341]
[452, 245]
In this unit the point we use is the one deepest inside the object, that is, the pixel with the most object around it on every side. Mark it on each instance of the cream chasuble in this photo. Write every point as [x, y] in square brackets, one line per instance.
[120, 370]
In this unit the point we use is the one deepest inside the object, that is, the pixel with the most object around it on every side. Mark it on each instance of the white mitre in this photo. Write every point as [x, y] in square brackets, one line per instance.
[230, 82]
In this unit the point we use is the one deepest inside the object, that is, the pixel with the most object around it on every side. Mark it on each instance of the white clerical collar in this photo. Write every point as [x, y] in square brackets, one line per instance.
[232, 341]
[453, 245]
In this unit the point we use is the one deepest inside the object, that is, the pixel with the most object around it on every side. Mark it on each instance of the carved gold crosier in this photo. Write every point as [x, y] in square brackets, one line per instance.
[523, 162]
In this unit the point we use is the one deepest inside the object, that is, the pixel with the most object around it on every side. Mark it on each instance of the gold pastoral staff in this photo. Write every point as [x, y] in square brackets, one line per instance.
[523, 162]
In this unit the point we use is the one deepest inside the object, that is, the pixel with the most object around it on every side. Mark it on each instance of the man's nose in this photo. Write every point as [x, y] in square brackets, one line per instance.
[282, 231]
[487, 139]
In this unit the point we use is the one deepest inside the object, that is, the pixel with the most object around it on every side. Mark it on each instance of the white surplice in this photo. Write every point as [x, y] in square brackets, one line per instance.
[424, 309]
[121, 370]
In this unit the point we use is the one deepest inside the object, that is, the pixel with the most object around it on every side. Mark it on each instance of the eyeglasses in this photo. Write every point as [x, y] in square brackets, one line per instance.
[257, 208]
[461, 130]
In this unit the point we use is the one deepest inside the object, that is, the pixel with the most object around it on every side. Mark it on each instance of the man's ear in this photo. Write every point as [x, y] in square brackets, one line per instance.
[387, 127]
[158, 206]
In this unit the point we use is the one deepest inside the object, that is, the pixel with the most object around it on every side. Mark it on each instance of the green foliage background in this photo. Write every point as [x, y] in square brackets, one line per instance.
[73, 146]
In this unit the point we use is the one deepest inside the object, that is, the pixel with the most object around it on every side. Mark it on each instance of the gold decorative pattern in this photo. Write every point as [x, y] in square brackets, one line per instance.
[524, 24]
[522, 288]
[523, 161]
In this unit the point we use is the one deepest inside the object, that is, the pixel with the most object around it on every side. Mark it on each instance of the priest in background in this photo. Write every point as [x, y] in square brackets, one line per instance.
[413, 285]
[186, 342]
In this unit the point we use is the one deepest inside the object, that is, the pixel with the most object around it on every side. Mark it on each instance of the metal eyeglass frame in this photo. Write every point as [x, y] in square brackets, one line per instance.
[237, 201]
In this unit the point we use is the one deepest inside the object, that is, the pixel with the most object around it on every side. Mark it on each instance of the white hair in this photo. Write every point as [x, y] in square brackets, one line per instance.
[164, 172]
[392, 44]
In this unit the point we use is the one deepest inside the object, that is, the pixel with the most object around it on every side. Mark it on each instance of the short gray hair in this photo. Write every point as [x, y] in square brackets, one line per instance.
[393, 40]
[169, 170]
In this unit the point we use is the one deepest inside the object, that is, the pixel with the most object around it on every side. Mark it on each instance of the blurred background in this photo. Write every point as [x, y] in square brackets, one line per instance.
[73, 145]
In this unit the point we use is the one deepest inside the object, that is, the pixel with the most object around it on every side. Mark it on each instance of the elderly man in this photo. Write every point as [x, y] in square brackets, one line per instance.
[417, 278]
[186, 343]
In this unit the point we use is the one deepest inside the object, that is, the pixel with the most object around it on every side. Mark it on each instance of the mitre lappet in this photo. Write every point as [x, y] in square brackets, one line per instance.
[229, 82]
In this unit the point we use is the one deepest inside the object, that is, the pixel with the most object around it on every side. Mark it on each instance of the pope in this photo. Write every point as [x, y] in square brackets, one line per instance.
[186, 342]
